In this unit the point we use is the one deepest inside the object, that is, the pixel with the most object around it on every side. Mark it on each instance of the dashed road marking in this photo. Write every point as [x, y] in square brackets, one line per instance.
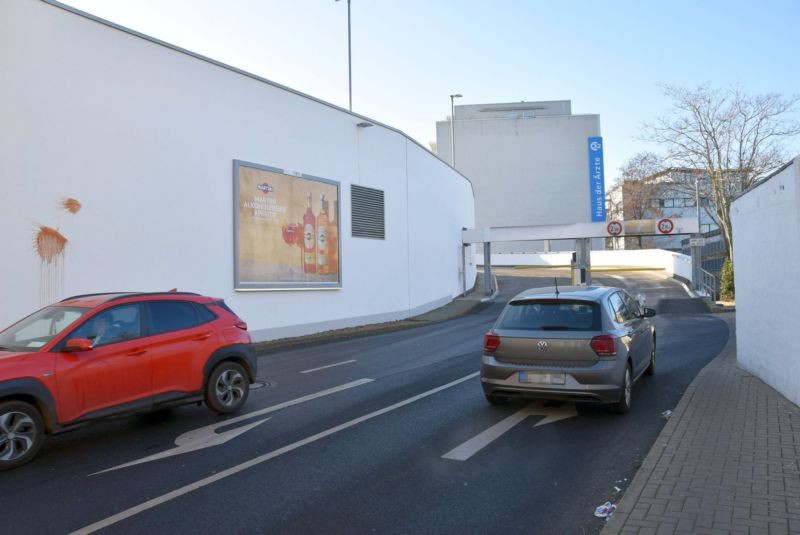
[329, 366]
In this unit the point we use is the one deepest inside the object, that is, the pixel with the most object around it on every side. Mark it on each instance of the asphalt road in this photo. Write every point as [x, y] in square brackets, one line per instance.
[357, 446]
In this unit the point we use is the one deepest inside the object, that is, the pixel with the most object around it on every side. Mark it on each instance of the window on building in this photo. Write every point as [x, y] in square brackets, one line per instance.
[367, 212]
[655, 203]
[669, 203]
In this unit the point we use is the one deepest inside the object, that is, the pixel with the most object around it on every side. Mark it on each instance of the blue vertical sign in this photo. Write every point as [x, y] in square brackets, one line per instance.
[597, 185]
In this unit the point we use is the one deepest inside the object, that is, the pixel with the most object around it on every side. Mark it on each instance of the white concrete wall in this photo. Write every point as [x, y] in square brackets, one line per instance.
[526, 171]
[766, 248]
[144, 136]
[672, 263]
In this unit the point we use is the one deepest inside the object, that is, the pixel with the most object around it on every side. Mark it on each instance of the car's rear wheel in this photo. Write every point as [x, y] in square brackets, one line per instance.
[494, 399]
[21, 433]
[624, 403]
[651, 368]
[227, 388]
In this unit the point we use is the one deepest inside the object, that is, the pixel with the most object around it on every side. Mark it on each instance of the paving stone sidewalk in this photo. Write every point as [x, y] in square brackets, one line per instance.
[728, 460]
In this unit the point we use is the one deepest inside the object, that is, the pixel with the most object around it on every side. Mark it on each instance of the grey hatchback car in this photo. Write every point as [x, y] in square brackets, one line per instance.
[573, 343]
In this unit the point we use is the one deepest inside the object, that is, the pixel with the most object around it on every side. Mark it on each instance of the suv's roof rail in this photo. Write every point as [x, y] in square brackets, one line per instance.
[146, 294]
[125, 295]
[87, 295]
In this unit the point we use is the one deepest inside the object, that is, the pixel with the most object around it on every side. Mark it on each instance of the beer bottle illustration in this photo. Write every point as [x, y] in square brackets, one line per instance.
[333, 239]
[322, 236]
[309, 236]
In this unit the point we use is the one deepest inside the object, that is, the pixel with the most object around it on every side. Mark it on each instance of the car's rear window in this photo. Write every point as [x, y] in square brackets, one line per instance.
[551, 315]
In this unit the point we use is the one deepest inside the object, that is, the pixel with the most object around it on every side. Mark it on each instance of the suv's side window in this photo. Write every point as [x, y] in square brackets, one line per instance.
[168, 316]
[113, 325]
[618, 307]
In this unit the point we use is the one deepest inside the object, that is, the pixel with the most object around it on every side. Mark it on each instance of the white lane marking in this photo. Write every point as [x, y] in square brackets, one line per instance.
[328, 366]
[483, 439]
[207, 436]
[149, 504]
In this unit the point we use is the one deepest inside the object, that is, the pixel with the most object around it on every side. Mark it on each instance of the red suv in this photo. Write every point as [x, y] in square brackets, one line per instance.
[97, 355]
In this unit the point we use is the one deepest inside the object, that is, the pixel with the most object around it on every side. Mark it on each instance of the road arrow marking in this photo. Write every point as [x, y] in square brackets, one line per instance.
[483, 439]
[207, 436]
[191, 487]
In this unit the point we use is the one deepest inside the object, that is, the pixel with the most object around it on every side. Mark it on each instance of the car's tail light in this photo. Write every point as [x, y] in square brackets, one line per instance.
[241, 325]
[490, 342]
[604, 346]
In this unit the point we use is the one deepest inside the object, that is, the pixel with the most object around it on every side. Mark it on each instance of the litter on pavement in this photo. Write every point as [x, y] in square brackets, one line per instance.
[666, 414]
[605, 510]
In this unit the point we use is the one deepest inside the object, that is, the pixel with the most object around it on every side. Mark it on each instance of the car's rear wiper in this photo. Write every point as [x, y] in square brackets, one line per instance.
[4, 348]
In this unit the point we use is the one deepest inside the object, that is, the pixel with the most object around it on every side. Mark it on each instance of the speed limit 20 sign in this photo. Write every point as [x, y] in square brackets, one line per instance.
[614, 228]
[665, 226]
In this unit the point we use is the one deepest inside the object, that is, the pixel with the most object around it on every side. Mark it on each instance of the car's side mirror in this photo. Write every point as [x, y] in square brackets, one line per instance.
[77, 344]
[648, 313]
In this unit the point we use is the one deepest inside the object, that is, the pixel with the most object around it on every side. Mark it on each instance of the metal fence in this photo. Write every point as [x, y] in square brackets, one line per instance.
[712, 257]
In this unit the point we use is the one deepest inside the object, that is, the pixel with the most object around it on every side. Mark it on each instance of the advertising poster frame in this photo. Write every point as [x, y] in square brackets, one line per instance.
[258, 217]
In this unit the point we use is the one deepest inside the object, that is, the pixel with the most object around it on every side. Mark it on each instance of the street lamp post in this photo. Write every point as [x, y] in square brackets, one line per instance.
[697, 250]
[349, 59]
[453, 128]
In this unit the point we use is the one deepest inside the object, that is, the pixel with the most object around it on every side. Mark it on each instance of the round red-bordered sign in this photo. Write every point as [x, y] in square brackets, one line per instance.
[614, 228]
[665, 226]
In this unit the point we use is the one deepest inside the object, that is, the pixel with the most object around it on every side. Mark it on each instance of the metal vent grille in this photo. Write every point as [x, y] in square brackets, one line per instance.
[367, 209]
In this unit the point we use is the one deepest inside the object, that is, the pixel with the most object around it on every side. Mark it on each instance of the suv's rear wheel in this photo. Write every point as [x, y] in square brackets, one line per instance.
[21, 433]
[227, 388]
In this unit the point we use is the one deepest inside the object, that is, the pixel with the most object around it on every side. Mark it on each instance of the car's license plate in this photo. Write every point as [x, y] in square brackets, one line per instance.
[542, 378]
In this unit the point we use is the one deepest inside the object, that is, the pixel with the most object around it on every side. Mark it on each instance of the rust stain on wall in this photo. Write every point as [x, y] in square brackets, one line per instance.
[73, 206]
[50, 245]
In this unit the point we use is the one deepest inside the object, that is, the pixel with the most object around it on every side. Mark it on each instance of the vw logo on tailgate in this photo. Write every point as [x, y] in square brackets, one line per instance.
[542, 345]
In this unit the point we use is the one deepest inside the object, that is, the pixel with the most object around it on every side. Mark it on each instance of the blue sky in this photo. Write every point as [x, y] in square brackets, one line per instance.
[408, 56]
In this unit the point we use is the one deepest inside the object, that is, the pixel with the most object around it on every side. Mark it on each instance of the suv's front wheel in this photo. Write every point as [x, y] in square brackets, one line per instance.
[21, 433]
[227, 388]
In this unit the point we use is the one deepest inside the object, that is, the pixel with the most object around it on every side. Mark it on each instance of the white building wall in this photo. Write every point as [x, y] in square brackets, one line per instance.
[526, 170]
[144, 136]
[766, 248]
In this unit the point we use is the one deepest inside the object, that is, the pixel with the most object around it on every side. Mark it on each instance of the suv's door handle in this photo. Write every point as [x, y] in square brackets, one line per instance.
[137, 352]
[201, 337]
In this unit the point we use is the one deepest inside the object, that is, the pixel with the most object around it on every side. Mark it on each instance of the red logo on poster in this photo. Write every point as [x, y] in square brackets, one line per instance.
[614, 228]
[265, 188]
[665, 226]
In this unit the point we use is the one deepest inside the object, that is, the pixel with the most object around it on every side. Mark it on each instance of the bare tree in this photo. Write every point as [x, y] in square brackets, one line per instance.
[733, 138]
[639, 188]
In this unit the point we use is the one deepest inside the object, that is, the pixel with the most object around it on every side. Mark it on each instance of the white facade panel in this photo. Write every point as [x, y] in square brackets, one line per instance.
[144, 136]
[766, 235]
[526, 169]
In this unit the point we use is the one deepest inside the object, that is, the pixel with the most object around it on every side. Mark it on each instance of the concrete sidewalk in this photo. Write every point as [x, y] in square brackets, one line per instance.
[728, 460]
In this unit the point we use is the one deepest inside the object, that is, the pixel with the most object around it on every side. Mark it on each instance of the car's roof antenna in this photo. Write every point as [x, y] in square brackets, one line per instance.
[555, 280]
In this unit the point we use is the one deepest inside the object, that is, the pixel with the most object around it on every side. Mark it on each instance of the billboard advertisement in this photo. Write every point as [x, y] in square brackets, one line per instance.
[286, 229]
